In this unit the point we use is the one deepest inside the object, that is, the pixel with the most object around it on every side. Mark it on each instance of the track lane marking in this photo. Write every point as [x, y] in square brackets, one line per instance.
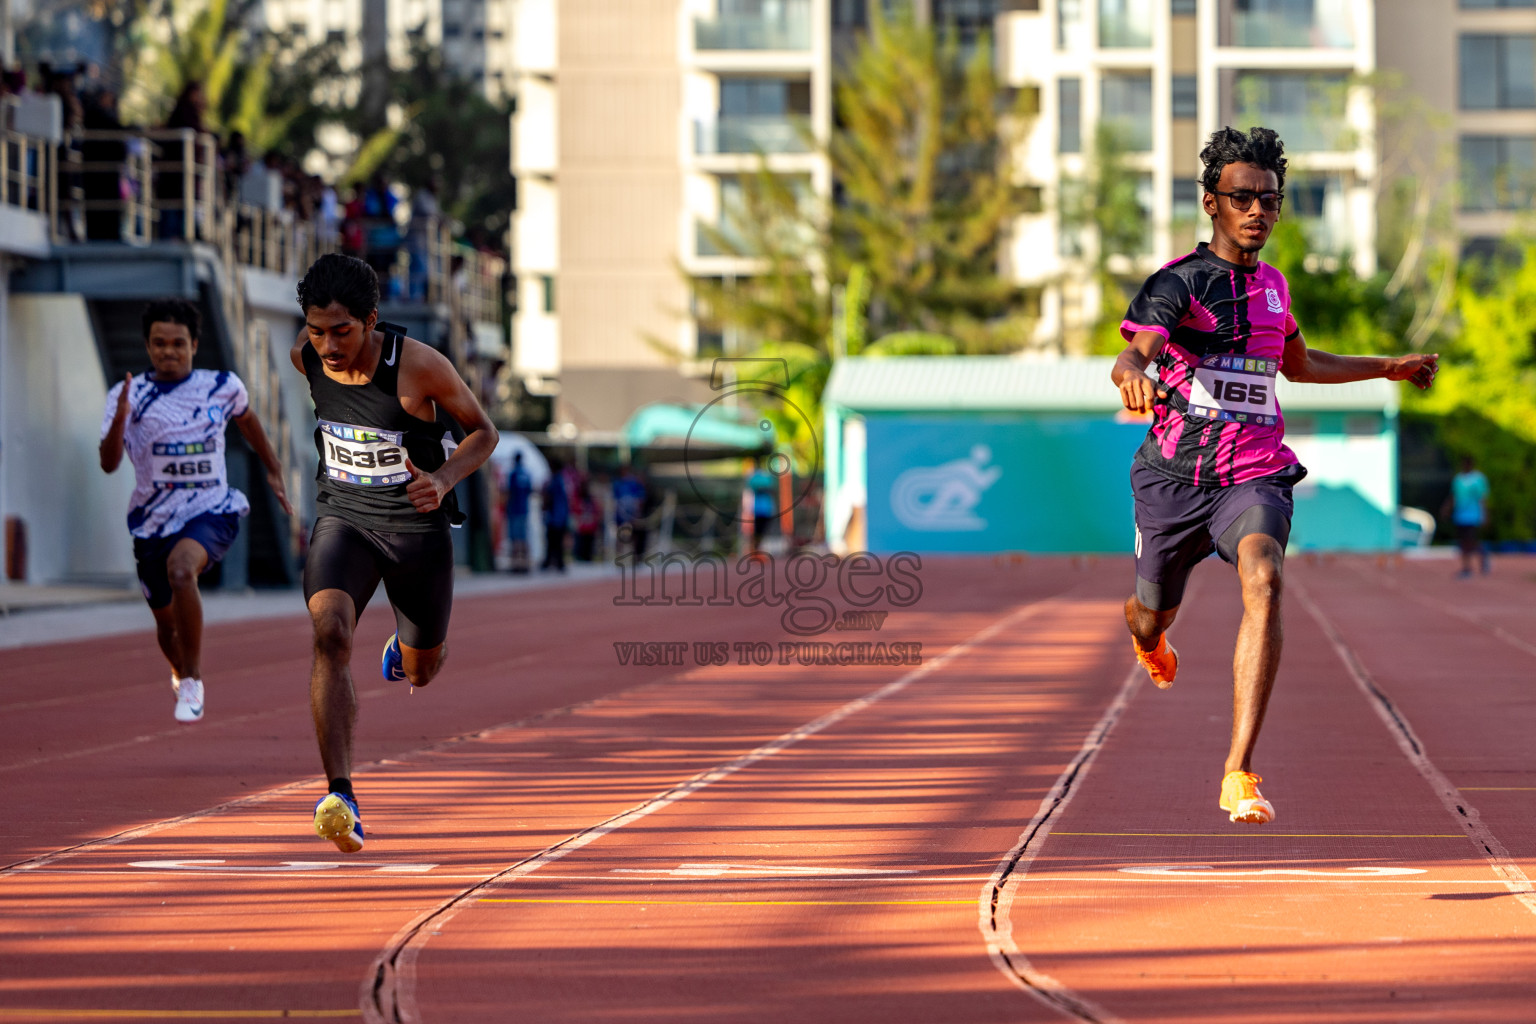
[388, 992]
[1268, 835]
[1408, 742]
[997, 896]
[738, 903]
[35, 1014]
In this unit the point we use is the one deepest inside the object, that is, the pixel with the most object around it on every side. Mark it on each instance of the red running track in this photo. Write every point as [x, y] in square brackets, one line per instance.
[1015, 830]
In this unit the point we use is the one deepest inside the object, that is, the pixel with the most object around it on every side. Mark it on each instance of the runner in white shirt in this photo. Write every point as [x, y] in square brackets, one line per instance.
[183, 514]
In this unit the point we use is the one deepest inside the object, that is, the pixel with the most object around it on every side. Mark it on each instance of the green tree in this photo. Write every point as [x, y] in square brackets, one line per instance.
[265, 85]
[921, 154]
[449, 131]
[1484, 398]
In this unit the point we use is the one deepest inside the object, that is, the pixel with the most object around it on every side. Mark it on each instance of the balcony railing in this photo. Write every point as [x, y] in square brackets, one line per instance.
[719, 240]
[1326, 27]
[750, 134]
[27, 180]
[782, 26]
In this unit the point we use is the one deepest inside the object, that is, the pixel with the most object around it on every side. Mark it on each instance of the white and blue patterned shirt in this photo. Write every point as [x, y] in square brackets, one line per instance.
[175, 438]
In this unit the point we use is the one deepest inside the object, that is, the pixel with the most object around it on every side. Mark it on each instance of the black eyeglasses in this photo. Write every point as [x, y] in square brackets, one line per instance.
[1242, 199]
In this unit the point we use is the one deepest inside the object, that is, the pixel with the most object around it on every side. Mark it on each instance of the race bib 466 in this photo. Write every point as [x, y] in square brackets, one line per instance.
[1235, 388]
[192, 464]
[362, 455]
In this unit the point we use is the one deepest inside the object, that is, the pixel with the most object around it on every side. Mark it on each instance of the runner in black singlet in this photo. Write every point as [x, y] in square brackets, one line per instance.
[384, 506]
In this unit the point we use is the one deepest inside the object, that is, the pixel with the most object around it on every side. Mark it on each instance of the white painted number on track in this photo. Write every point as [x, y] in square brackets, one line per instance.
[1207, 871]
[287, 865]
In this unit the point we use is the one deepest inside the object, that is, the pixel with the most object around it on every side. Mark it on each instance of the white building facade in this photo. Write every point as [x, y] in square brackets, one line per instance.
[1165, 74]
[635, 121]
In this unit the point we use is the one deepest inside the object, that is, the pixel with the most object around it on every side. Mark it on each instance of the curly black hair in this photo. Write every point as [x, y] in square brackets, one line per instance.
[344, 279]
[171, 311]
[1261, 147]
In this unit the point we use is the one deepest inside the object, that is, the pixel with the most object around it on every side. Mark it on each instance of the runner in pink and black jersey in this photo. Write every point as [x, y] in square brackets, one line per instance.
[1214, 473]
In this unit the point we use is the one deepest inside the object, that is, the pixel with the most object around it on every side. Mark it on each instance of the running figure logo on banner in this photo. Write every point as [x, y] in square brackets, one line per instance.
[944, 498]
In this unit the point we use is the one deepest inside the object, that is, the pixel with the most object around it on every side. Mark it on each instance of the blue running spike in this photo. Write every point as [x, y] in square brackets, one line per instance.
[392, 665]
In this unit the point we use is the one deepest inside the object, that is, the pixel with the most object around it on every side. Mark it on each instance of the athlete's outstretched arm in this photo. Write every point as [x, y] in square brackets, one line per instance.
[440, 382]
[111, 448]
[1138, 391]
[250, 429]
[1314, 366]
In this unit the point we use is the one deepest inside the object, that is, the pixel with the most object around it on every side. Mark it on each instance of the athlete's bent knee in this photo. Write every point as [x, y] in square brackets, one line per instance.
[181, 576]
[333, 635]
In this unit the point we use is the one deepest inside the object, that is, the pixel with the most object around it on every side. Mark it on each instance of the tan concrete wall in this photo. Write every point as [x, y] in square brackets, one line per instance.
[603, 398]
[621, 189]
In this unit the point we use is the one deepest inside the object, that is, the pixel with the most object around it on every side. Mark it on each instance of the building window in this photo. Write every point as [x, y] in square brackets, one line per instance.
[547, 292]
[1125, 24]
[1307, 109]
[1185, 96]
[849, 14]
[1069, 108]
[1313, 24]
[1186, 201]
[1125, 104]
[1070, 27]
[1498, 172]
[1498, 72]
[1319, 204]
[1475, 4]
[452, 30]
[1183, 8]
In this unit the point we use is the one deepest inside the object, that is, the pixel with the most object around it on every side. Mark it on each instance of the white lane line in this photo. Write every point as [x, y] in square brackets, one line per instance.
[1179, 877]
[1211, 871]
[997, 896]
[388, 994]
[1450, 609]
[1462, 811]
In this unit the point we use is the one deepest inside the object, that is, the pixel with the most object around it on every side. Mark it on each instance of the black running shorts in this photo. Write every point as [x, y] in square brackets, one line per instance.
[1179, 524]
[417, 570]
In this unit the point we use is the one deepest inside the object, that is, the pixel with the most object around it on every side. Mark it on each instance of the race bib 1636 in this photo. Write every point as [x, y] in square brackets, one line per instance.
[362, 455]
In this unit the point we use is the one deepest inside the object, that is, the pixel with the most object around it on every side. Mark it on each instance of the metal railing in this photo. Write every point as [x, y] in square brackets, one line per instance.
[27, 178]
[784, 26]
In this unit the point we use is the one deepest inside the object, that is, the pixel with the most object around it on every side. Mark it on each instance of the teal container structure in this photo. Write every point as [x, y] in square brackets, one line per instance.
[989, 454]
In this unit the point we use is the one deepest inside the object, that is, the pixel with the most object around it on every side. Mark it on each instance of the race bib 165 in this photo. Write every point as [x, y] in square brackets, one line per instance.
[1235, 388]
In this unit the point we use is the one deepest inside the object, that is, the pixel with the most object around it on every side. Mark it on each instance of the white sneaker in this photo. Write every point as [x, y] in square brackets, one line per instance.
[189, 701]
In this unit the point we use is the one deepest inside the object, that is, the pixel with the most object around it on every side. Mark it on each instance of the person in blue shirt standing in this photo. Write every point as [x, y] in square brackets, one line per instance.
[762, 484]
[629, 509]
[1469, 514]
[519, 489]
[557, 517]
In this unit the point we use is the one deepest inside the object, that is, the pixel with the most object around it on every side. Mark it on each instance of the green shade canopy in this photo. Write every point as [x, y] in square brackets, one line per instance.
[700, 426]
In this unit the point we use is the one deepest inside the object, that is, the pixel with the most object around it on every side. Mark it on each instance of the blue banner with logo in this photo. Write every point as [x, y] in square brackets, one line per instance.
[1006, 482]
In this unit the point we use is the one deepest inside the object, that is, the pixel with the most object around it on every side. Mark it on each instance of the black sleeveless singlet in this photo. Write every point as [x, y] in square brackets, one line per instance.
[363, 438]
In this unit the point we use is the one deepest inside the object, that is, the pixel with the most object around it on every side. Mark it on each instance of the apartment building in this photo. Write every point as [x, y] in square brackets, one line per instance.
[635, 120]
[475, 36]
[1472, 65]
[1164, 74]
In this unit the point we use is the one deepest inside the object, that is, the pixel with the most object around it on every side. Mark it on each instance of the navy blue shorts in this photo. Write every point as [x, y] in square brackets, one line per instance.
[215, 531]
[1179, 524]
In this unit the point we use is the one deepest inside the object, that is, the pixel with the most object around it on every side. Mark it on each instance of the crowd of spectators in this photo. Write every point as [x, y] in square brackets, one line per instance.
[383, 222]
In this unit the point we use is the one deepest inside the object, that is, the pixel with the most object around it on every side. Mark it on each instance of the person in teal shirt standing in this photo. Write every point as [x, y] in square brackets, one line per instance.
[1469, 514]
